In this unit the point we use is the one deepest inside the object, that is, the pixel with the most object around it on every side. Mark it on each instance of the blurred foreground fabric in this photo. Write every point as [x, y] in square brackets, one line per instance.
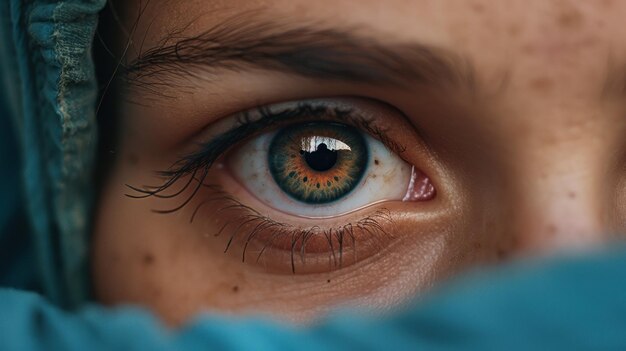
[569, 304]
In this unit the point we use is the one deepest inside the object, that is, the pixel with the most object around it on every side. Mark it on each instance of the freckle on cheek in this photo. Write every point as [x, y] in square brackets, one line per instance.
[541, 84]
[115, 257]
[148, 259]
[570, 20]
[477, 7]
[514, 30]
[501, 254]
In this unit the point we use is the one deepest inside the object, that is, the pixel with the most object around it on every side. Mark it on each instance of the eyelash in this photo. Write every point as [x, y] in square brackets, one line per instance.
[372, 225]
[200, 162]
[209, 152]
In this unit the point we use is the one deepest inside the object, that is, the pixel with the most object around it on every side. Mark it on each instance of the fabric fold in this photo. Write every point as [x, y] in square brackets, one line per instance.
[56, 126]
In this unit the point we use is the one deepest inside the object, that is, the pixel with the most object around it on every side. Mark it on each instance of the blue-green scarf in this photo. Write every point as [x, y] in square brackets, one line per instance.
[48, 144]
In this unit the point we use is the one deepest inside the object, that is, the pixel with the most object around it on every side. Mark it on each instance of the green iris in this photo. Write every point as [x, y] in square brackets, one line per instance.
[318, 162]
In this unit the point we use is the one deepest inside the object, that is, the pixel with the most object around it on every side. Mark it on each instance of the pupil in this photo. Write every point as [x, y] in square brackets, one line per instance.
[321, 159]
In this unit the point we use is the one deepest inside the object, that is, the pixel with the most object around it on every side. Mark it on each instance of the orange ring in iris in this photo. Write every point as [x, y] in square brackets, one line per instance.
[318, 162]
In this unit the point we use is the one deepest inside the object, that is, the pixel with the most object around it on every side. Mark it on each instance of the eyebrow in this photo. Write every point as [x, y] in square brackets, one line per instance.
[320, 53]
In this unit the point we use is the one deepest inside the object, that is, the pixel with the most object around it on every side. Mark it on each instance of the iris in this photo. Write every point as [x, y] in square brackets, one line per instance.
[318, 162]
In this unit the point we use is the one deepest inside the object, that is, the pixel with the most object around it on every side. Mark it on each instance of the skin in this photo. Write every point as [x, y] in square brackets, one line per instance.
[531, 165]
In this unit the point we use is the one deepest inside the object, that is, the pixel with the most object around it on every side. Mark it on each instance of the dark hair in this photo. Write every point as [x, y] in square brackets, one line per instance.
[109, 37]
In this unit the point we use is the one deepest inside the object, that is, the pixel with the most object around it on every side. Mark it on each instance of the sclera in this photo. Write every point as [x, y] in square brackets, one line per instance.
[386, 178]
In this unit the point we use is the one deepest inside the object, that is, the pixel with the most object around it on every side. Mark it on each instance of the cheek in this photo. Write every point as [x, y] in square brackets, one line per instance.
[166, 264]
[153, 260]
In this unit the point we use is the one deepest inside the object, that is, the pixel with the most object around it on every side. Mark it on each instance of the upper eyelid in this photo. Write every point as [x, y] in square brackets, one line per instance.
[248, 126]
[262, 118]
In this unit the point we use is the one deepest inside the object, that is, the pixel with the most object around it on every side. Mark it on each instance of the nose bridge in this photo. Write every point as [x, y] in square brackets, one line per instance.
[556, 200]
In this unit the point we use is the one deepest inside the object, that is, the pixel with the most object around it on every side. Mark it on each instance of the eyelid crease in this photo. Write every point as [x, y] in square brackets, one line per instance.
[202, 161]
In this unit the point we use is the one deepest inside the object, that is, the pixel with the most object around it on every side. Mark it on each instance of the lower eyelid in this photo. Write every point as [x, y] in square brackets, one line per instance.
[255, 237]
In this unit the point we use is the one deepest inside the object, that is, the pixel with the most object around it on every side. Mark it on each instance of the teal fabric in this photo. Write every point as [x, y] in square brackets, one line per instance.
[16, 253]
[47, 70]
[572, 304]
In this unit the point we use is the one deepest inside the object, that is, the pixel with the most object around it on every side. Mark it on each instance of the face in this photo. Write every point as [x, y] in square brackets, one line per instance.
[292, 157]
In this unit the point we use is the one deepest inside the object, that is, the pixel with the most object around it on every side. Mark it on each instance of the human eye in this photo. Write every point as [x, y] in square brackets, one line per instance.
[319, 169]
[297, 187]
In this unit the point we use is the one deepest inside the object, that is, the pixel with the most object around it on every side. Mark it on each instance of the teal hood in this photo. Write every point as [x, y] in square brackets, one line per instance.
[47, 145]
